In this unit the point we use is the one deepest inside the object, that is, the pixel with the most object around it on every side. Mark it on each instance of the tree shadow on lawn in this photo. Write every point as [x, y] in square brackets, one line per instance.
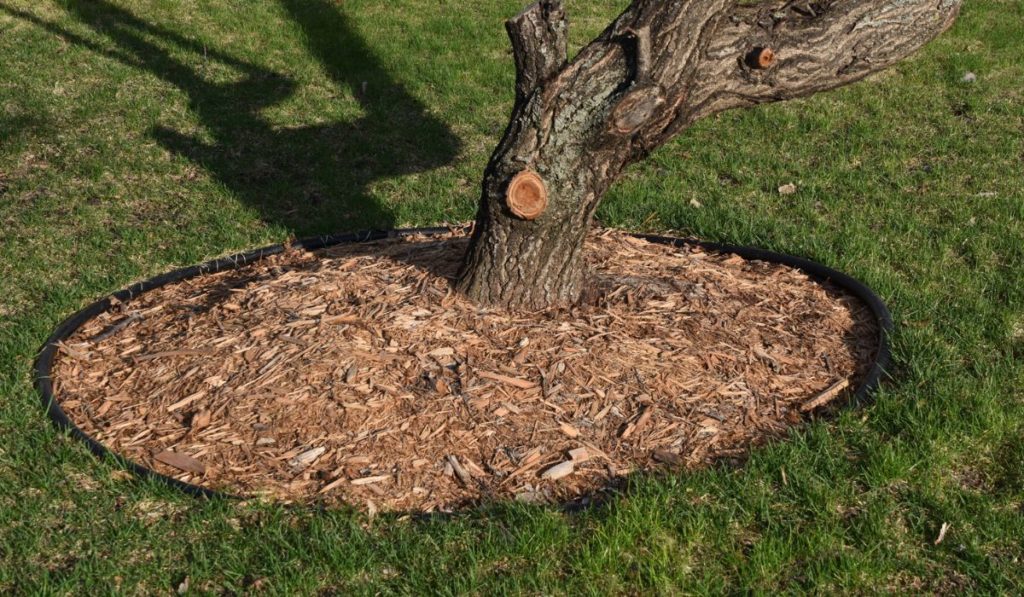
[13, 128]
[312, 179]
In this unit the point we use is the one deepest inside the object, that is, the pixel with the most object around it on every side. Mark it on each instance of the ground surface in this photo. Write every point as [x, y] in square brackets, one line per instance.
[139, 136]
[356, 375]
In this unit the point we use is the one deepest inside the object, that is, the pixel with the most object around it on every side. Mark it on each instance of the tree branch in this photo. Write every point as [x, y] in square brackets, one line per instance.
[815, 46]
[540, 44]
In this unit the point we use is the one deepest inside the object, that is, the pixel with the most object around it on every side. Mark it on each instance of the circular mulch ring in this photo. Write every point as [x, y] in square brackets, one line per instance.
[345, 371]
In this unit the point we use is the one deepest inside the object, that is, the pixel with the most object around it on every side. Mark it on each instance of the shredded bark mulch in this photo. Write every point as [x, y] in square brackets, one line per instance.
[355, 374]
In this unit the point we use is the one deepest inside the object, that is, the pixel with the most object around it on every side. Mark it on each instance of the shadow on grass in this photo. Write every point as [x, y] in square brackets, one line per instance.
[15, 127]
[312, 179]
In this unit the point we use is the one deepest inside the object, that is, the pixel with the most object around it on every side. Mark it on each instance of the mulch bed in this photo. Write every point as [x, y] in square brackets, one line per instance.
[354, 374]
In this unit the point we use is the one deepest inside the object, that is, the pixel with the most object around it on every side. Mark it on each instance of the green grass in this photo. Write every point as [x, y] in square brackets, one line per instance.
[151, 134]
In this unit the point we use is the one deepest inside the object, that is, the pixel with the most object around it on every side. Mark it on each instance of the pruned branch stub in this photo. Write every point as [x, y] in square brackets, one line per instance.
[527, 195]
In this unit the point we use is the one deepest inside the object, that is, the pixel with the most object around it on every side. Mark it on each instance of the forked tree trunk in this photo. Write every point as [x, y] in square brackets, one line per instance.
[658, 68]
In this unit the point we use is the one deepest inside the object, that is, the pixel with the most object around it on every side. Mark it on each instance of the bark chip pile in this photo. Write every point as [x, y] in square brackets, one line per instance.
[354, 374]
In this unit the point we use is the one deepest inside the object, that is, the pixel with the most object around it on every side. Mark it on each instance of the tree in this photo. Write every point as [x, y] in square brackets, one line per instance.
[658, 68]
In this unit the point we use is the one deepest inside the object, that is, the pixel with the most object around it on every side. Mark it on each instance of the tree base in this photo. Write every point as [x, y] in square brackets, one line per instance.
[354, 374]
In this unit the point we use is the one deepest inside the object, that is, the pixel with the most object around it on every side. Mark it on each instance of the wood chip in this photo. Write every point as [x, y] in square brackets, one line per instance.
[334, 484]
[638, 424]
[371, 480]
[308, 457]
[181, 461]
[341, 319]
[558, 471]
[579, 455]
[460, 472]
[201, 420]
[569, 430]
[186, 401]
[473, 468]
[827, 396]
[505, 379]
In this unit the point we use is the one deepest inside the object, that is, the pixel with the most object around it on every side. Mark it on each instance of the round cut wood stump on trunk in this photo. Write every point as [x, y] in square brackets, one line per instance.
[527, 196]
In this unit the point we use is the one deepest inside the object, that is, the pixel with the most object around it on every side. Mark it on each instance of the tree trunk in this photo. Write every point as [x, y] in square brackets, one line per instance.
[657, 69]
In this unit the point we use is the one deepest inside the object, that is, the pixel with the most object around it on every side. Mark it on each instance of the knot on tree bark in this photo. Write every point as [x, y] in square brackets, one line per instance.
[636, 109]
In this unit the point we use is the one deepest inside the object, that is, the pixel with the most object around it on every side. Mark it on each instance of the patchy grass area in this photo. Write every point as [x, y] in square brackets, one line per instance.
[144, 135]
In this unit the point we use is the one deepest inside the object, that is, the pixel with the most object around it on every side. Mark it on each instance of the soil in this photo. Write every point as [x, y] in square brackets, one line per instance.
[355, 374]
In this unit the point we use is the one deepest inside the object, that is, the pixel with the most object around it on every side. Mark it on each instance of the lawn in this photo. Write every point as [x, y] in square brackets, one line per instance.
[142, 135]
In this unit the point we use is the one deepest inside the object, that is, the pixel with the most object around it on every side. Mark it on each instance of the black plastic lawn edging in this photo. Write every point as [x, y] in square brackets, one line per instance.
[44, 363]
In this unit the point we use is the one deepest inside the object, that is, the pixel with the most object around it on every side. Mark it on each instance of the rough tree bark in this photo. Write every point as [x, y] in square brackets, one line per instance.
[658, 68]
